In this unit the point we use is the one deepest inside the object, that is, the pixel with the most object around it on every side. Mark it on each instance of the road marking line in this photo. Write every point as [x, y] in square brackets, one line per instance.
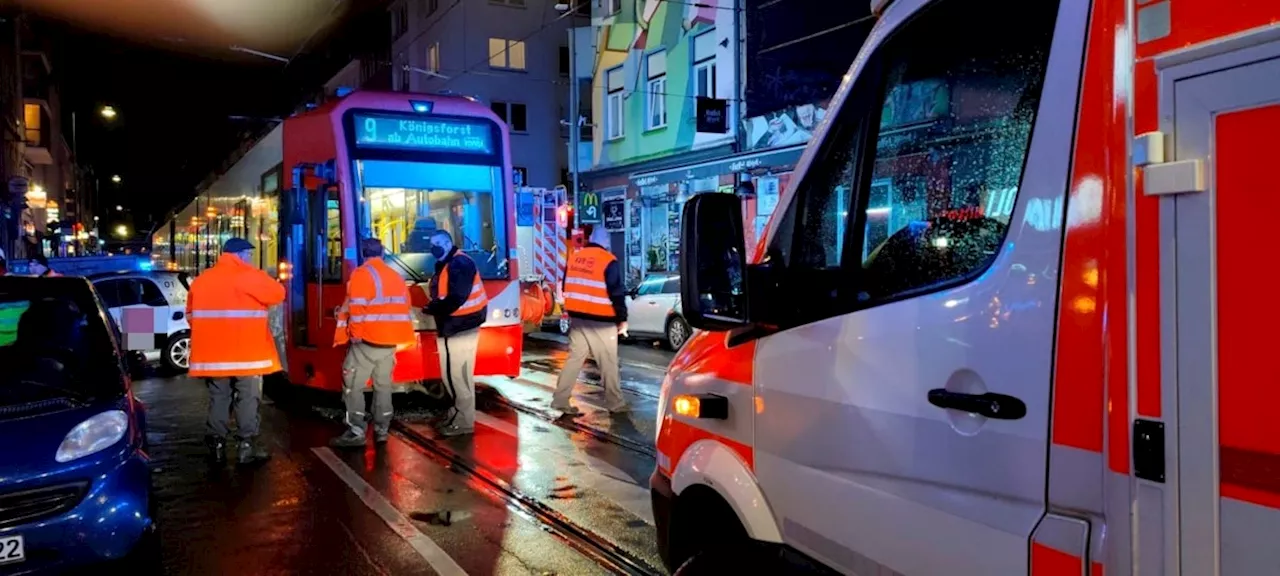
[607, 479]
[436, 557]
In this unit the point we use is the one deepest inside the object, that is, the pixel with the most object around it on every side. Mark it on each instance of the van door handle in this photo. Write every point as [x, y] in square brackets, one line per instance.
[991, 405]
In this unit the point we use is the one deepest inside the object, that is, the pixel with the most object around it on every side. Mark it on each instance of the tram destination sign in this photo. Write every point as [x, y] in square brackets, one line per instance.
[427, 134]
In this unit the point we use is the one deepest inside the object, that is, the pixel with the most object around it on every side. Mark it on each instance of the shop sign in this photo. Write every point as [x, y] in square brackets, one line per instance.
[615, 214]
[713, 115]
[788, 127]
[589, 210]
[779, 158]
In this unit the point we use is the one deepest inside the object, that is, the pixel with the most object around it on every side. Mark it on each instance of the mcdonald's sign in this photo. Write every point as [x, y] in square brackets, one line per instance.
[589, 211]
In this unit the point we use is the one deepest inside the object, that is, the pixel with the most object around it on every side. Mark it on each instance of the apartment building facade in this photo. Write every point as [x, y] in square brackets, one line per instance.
[45, 209]
[510, 54]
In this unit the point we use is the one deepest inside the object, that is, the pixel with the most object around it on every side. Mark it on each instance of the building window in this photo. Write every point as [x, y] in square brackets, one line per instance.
[31, 118]
[704, 64]
[520, 176]
[433, 57]
[564, 61]
[506, 54]
[613, 106]
[432, 6]
[516, 115]
[612, 6]
[403, 69]
[400, 19]
[656, 91]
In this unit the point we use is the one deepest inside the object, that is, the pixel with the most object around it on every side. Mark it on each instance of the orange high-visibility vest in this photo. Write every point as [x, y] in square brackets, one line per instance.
[227, 307]
[585, 291]
[341, 335]
[476, 300]
[377, 307]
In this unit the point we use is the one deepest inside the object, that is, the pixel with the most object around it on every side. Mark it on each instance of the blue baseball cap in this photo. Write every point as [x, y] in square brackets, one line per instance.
[234, 245]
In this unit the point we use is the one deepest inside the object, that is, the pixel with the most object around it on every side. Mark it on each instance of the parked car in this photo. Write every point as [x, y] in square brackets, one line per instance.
[150, 310]
[653, 310]
[75, 486]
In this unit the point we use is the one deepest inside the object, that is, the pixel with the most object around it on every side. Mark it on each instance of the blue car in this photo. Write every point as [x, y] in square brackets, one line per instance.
[75, 486]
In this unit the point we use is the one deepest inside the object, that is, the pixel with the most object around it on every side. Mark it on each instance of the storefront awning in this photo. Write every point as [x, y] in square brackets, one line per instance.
[776, 157]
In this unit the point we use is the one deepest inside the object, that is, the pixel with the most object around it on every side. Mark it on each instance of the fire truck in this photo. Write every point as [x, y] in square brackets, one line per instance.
[1005, 319]
[543, 220]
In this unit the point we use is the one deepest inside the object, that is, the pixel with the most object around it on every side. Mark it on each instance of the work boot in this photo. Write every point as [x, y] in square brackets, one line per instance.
[452, 430]
[250, 453]
[217, 449]
[349, 439]
[569, 410]
[620, 409]
[381, 436]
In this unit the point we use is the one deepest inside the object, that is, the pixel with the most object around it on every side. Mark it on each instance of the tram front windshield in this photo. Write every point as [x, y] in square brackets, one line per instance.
[405, 203]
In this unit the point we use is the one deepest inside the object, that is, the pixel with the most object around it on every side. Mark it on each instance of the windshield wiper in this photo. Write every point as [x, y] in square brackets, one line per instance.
[413, 274]
[65, 392]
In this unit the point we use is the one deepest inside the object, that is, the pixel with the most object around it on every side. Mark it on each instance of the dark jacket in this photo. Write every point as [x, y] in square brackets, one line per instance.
[617, 293]
[462, 272]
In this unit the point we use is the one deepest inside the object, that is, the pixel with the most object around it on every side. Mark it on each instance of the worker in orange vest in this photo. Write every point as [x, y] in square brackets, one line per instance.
[595, 299]
[376, 321]
[459, 305]
[39, 266]
[232, 346]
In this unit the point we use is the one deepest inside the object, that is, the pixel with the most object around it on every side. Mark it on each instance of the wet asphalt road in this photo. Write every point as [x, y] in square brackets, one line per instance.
[419, 504]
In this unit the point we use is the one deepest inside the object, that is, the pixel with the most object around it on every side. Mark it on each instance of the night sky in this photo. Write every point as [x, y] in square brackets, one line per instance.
[182, 109]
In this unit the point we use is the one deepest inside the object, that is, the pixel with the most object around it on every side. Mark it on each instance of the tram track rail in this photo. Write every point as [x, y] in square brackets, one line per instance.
[586, 541]
[547, 368]
[572, 425]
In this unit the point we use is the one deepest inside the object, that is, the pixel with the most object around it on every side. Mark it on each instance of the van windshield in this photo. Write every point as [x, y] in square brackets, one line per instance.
[54, 344]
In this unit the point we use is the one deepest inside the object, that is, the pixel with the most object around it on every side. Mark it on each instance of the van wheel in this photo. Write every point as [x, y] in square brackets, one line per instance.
[677, 332]
[177, 352]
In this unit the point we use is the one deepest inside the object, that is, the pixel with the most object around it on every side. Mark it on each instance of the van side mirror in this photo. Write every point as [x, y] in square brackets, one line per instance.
[713, 263]
[178, 315]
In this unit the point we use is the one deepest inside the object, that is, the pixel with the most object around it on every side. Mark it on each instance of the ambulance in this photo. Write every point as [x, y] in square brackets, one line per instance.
[1013, 315]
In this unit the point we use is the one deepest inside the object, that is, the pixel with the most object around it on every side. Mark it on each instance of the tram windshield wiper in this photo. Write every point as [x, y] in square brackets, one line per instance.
[413, 274]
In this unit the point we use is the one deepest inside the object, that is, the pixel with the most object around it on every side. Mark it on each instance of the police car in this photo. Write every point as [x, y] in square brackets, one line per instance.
[149, 307]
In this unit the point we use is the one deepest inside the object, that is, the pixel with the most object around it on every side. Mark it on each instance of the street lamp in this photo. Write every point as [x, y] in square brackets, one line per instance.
[116, 178]
[119, 208]
[108, 112]
[122, 231]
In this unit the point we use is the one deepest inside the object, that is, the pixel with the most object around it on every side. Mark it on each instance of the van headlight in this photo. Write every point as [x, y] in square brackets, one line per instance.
[93, 435]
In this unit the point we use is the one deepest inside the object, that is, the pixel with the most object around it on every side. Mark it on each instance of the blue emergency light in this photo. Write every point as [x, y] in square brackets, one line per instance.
[422, 106]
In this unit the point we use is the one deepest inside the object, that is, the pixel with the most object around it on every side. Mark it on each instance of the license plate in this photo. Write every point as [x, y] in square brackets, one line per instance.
[11, 550]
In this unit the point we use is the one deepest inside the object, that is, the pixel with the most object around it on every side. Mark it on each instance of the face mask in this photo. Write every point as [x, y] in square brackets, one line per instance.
[437, 251]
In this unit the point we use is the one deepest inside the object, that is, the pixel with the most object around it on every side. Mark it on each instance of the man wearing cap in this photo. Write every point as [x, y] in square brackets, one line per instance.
[39, 267]
[232, 346]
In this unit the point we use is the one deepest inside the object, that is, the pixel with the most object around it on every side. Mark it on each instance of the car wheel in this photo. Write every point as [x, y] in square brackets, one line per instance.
[677, 332]
[177, 352]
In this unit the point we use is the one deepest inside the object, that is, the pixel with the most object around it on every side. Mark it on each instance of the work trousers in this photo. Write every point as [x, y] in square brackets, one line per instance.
[364, 362]
[245, 393]
[458, 368]
[598, 340]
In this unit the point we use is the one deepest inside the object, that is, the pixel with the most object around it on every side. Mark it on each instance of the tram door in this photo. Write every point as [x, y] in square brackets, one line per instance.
[311, 242]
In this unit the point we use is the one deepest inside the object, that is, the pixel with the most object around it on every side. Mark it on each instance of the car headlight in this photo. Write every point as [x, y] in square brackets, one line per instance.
[93, 435]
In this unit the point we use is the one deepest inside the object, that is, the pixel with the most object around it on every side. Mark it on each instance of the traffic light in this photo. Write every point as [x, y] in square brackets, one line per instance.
[564, 215]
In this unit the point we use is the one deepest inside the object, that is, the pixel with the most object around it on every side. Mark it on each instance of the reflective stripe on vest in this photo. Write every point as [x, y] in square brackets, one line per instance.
[476, 300]
[585, 289]
[255, 365]
[228, 313]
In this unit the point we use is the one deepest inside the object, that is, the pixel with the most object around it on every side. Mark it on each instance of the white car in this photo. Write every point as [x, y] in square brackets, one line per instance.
[653, 310]
[150, 310]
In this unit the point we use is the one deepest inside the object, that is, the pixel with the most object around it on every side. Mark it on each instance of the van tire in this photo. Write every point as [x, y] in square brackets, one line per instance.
[177, 352]
[706, 535]
[677, 332]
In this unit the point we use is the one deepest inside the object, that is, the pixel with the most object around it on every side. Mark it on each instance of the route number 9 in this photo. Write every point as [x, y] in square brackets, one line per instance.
[371, 129]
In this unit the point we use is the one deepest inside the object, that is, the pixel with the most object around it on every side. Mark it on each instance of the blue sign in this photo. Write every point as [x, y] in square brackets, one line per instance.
[424, 133]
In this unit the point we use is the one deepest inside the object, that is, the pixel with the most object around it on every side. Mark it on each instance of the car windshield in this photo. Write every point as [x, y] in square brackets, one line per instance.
[54, 344]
